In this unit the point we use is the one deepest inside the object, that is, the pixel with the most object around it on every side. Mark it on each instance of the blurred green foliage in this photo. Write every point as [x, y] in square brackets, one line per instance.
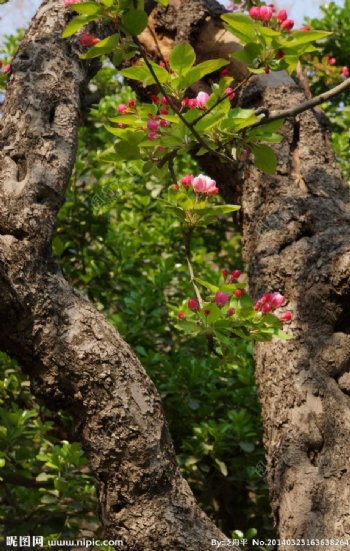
[116, 246]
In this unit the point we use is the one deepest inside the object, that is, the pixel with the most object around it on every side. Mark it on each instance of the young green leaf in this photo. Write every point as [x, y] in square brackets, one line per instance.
[105, 46]
[88, 8]
[265, 158]
[182, 58]
[135, 21]
[75, 24]
[240, 25]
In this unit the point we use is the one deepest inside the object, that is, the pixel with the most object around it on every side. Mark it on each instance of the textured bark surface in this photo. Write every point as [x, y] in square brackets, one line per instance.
[75, 359]
[297, 239]
[296, 229]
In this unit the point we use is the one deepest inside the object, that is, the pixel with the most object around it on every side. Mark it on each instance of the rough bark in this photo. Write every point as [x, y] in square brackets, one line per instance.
[75, 359]
[296, 238]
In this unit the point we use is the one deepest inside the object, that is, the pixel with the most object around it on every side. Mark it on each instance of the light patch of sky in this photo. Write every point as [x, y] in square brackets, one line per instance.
[17, 13]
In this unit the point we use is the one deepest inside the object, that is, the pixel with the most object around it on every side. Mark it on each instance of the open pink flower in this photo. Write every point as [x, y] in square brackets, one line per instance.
[202, 99]
[204, 184]
[276, 299]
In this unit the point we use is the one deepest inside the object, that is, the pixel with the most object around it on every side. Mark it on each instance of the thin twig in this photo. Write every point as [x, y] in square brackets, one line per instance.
[188, 253]
[292, 111]
[234, 90]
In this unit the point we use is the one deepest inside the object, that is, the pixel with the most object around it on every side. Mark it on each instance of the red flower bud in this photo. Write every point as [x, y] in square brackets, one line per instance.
[181, 316]
[193, 304]
[281, 16]
[288, 24]
[230, 311]
[238, 293]
[287, 316]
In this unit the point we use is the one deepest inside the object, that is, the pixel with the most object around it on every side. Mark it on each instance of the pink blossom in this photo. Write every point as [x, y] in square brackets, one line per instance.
[266, 308]
[345, 71]
[164, 123]
[281, 16]
[266, 13]
[187, 180]
[7, 68]
[68, 3]
[277, 299]
[238, 293]
[254, 12]
[163, 111]
[204, 184]
[288, 24]
[236, 273]
[202, 99]
[193, 304]
[230, 6]
[164, 101]
[230, 312]
[331, 60]
[305, 28]
[152, 125]
[181, 316]
[121, 108]
[287, 316]
[221, 298]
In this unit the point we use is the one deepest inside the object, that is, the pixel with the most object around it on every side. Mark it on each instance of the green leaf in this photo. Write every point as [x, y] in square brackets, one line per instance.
[163, 2]
[108, 3]
[303, 37]
[284, 336]
[265, 158]
[188, 326]
[127, 151]
[242, 26]
[182, 58]
[43, 477]
[249, 54]
[216, 210]
[138, 72]
[75, 24]
[87, 8]
[208, 285]
[105, 46]
[202, 69]
[135, 21]
[2, 462]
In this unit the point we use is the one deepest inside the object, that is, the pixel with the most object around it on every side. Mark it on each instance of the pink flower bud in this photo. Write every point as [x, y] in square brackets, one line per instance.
[176, 186]
[7, 68]
[221, 298]
[86, 39]
[305, 28]
[131, 103]
[235, 274]
[238, 293]
[164, 101]
[155, 99]
[181, 316]
[287, 316]
[164, 123]
[163, 111]
[68, 3]
[281, 16]
[206, 312]
[230, 93]
[193, 304]
[192, 102]
[225, 73]
[152, 125]
[230, 312]
[187, 180]
[202, 99]
[225, 273]
[331, 60]
[254, 12]
[121, 108]
[345, 71]
[288, 24]
[95, 41]
[266, 308]
[266, 13]
[152, 136]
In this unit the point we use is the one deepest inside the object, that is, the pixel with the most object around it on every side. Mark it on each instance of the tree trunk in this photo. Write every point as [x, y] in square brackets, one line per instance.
[296, 239]
[74, 358]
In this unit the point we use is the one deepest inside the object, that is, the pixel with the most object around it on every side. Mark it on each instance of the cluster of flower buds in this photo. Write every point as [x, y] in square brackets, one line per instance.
[269, 302]
[266, 13]
[201, 184]
[200, 101]
[126, 107]
[88, 39]
[231, 277]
